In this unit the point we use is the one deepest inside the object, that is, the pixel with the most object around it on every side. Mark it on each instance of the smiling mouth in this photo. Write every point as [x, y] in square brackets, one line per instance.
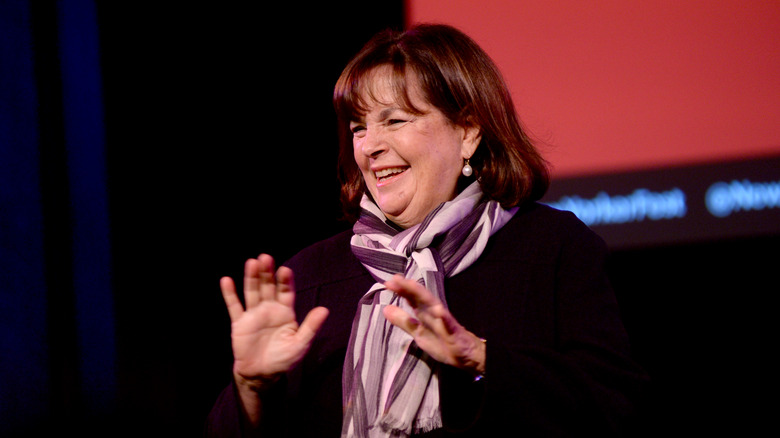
[387, 174]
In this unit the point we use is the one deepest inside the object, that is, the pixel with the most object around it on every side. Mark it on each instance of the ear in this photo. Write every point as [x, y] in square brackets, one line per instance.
[472, 135]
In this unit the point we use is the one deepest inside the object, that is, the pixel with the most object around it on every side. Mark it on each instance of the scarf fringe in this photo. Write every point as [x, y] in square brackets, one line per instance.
[397, 427]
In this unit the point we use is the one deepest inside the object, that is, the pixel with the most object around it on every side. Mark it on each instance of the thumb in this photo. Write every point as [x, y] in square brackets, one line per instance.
[312, 324]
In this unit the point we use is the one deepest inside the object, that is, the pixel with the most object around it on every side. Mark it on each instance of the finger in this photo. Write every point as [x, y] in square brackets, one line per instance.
[267, 280]
[251, 283]
[422, 301]
[450, 324]
[438, 319]
[285, 286]
[234, 307]
[312, 324]
[401, 319]
[430, 310]
[415, 293]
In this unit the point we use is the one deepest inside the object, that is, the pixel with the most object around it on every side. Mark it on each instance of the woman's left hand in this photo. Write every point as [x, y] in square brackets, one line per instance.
[433, 327]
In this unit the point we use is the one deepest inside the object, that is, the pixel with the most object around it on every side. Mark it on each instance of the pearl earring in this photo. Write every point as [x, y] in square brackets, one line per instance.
[467, 170]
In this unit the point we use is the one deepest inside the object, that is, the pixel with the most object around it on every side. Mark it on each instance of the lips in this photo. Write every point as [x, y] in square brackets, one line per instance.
[388, 173]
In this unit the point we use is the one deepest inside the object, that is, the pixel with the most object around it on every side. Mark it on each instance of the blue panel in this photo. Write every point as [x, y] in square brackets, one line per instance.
[85, 148]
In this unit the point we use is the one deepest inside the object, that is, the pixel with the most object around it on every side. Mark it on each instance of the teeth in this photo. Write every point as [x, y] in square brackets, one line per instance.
[390, 171]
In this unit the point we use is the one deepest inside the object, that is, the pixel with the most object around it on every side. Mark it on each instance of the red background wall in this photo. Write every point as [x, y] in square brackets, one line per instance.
[610, 86]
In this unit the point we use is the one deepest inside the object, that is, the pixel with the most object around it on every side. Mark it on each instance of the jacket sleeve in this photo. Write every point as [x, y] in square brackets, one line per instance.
[224, 419]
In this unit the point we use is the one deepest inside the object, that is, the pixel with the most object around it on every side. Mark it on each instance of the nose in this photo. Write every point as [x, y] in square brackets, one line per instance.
[373, 143]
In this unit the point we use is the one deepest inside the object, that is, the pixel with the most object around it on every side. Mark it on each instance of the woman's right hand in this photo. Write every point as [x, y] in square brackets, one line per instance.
[267, 340]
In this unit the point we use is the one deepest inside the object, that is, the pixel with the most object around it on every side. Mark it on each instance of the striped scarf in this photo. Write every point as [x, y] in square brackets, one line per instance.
[390, 385]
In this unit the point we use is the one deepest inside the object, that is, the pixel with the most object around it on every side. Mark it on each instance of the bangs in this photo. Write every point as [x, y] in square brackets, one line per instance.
[356, 90]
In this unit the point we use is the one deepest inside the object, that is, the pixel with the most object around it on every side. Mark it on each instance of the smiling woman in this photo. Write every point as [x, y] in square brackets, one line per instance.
[456, 303]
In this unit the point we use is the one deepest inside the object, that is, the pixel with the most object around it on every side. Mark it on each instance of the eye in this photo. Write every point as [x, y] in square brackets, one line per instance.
[391, 122]
[357, 129]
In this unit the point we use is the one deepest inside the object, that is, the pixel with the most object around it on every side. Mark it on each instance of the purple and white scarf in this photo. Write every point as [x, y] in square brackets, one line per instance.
[390, 385]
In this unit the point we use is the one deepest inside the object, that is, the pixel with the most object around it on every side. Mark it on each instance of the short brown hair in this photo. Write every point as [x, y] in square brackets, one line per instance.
[458, 78]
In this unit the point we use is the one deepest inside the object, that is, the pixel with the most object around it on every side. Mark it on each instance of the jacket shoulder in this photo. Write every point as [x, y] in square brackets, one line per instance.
[544, 228]
[327, 261]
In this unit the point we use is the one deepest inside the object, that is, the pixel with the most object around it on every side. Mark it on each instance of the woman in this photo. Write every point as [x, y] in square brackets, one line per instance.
[457, 304]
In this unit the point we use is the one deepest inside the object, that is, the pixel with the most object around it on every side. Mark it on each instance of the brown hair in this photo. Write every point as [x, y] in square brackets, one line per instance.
[458, 78]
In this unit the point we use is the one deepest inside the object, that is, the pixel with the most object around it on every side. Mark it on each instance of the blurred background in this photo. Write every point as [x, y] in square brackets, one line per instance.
[149, 148]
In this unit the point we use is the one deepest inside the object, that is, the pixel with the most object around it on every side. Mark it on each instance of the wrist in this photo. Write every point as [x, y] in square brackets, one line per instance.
[257, 384]
[481, 359]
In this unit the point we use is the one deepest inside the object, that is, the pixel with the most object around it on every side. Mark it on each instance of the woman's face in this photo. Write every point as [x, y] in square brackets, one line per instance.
[410, 162]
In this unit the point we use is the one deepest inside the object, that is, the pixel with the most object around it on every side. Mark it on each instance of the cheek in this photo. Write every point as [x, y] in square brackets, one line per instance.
[443, 163]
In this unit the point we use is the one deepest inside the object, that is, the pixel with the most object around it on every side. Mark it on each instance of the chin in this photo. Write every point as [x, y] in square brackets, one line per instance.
[390, 207]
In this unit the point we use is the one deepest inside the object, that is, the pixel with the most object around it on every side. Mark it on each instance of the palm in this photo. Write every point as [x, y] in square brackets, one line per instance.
[267, 340]
[264, 340]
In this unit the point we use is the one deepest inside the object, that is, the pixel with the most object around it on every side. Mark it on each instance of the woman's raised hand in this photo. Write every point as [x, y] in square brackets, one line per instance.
[267, 340]
[433, 327]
